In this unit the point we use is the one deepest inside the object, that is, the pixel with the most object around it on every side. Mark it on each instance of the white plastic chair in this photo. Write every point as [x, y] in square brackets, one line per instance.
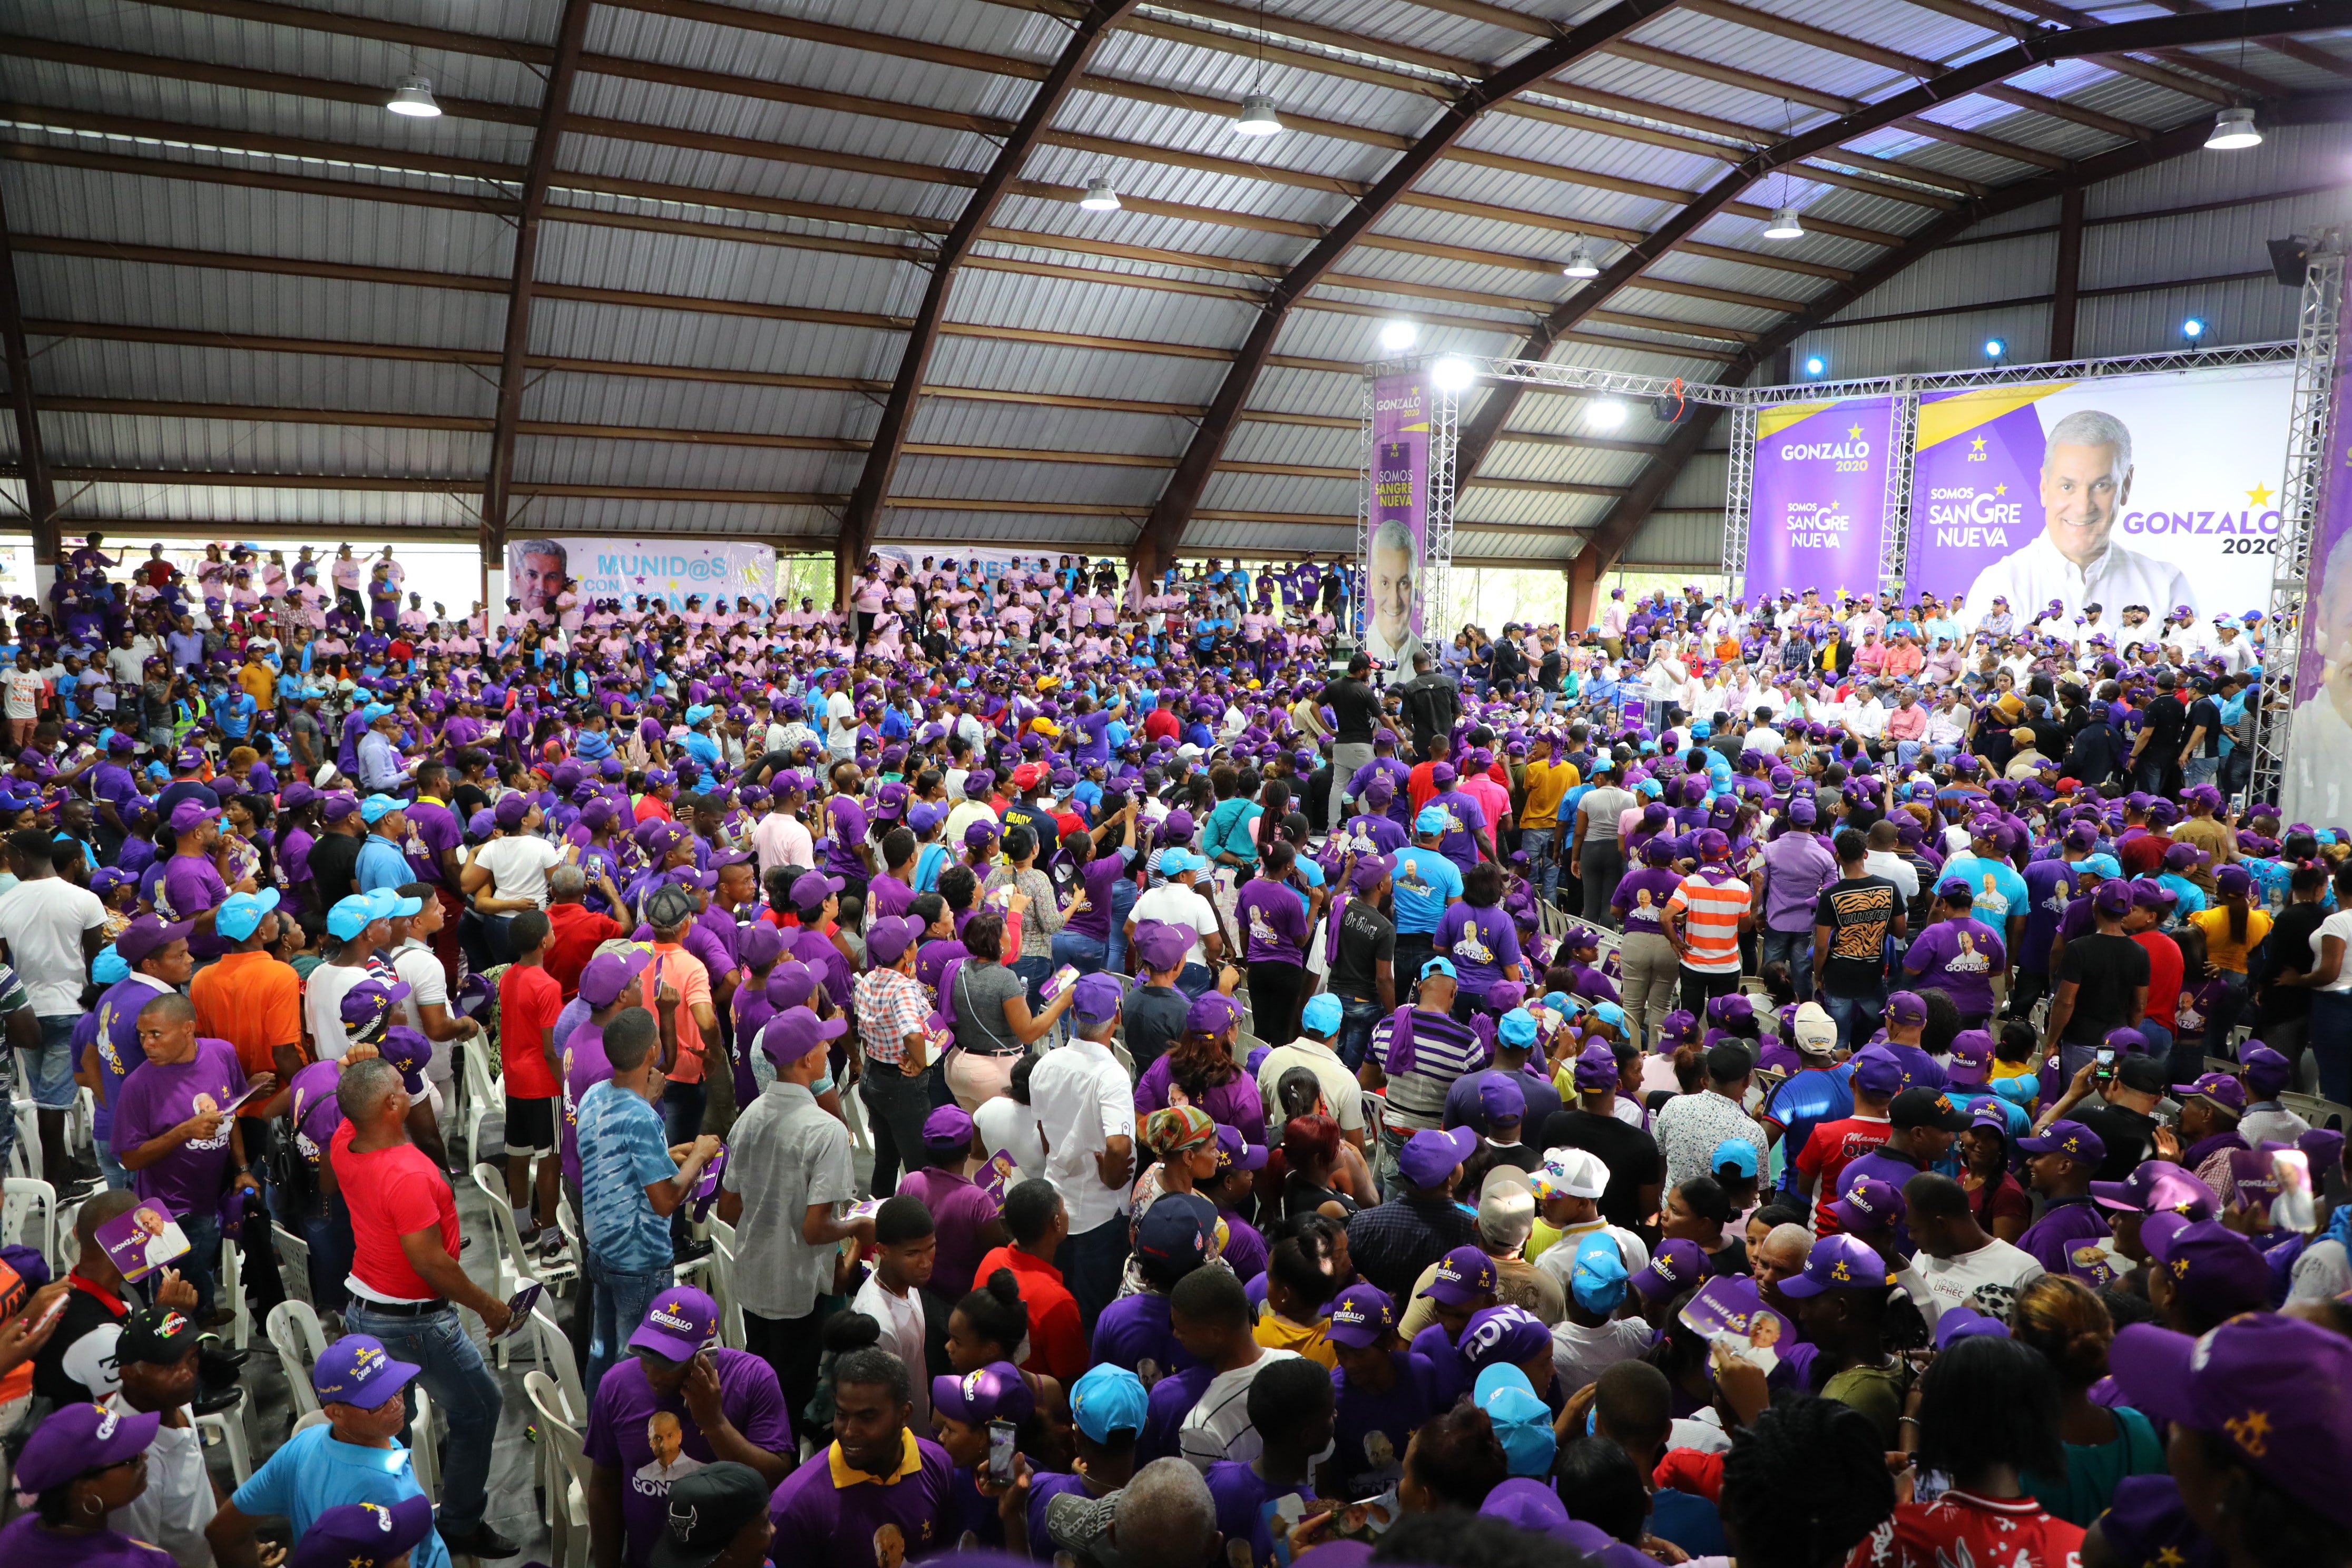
[722, 1282]
[24, 1198]
[424, 1457]
[294, 1333]
[485, 1098]
[567, 1490]
[231, 1290]
[556, 1359]
[293, 1254]
[25, 1154]
[310, 1418]
[227, 1428]
[516, 1267]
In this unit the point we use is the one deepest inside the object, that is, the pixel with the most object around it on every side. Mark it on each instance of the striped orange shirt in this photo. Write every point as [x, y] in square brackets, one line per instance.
[1711, 902]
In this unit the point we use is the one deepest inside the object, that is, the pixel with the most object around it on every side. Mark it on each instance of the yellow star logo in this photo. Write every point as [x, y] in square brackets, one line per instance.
[2170, 1557]
[1977, 445]
[2251, 1432]
[2260, 495]
[2001, 489]
[1855, 433]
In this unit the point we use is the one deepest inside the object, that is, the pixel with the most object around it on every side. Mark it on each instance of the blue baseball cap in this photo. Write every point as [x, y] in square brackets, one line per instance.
[1432, 819]
[386, 904]
[1522, 1422]
[1107, 1399]
[376, 807]
[241, 913]
[1322, 1014]
[351, 916]
[1599, 1279]
[358, 1371]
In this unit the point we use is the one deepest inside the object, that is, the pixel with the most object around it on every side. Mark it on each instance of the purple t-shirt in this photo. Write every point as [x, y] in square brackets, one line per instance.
[1799, 866]
[1958, 958]
[156, 1099]
[190, 885]
[116, 1036]
[820, 1525]
[624, 1420]
[1098, 873]
[1134, 1330]
[1463, 817]
[815, 948]
[886, 895]
[1242, 1496]
[1275, 922]
[1090, 745]
[1236, 1103]
[2063, 1227]
[1370, 836]
[1371, 1430]
[585, 1067]
[1646, 916]
[1483, 941]
[848, 835]
[932, 959]
[434, 829]
[959, 1210]
[2049, 889]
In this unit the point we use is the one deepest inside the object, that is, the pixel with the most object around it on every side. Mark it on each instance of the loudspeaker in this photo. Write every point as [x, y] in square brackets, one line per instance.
[2290, 260]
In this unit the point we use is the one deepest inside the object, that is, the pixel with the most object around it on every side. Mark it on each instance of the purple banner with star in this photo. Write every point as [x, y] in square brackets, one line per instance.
[1399, 518]
[542, 572]
[1817, 502]
[2157, 490]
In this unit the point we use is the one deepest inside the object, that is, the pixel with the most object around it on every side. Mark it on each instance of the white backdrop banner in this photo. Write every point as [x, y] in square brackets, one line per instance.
[666, 571]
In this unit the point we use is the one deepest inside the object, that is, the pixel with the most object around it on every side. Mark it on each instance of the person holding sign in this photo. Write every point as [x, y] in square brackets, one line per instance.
[177, 1132]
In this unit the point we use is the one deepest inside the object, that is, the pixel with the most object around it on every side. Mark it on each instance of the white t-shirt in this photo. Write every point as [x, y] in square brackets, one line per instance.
[23, 694]
[428, 985]
[322, 1007]
[1987, 1280]
[1218, 1425]
[2337, 925]
[178, 1503]
[1005, 1124]
[42, 921]
[519, 866]
[1173, 904]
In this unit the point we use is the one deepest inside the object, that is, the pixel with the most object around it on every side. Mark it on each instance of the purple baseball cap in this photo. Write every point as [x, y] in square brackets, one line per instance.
[1464, 1275]
[680, 1321]
[1838, 1263]
[1430, 1156]
[608, 974]
[2159, 1186]
[1677, 1264]
[1877, 1072]
[2068, 1138]
[2223, 1088]
[1869, 1204]
[1362, 1316]
[983, 1395]
[1971, 1063]
[2278, 1389]
[1906, 1008]
[365, 1534]
[2218, 1271]
[2112, 898]
[356, 1370]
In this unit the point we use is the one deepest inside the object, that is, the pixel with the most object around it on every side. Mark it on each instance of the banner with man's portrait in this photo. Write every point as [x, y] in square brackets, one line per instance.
[668, 571]
[2317, 782]
[2159, 490]
[1399, 519]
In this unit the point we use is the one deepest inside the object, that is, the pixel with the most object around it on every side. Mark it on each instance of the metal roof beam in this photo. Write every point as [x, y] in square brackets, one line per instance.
[555, 106]
[1495, 411]
[40, 493]
[1166, 524]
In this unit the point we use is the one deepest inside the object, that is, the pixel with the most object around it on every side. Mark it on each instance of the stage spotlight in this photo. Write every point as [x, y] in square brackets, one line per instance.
[1815, 365]
[1995, 348]
[1451, 374]
[1397, 336]
[2192, 329]
[1605, 414]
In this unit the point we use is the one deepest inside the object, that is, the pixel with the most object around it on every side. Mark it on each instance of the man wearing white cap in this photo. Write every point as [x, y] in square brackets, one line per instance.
[1567, 1187]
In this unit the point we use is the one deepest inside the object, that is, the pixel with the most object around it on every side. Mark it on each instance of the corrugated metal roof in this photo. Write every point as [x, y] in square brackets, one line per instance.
[1159, 85]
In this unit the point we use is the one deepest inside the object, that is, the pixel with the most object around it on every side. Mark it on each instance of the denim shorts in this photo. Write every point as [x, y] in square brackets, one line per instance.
[49, 1072]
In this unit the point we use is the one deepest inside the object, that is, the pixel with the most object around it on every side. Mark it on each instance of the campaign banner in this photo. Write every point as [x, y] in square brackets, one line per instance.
[1817, 496]
[2159, 489]
[1399, 518]
[2317, 783]
[666, 571]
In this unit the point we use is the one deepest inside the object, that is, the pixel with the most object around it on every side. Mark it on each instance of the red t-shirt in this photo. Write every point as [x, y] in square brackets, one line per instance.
[392, 1193]
[2163, 975]
[1057, 1335]
[1960, 1527]
[1834, 1146]
[1158, 723]
[530, 1001]
[2142, 853]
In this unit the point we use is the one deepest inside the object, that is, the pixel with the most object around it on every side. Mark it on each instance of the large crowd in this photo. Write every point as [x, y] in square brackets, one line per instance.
[1039, 1063]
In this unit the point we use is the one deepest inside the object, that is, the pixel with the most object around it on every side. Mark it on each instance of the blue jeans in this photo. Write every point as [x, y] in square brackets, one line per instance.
[2331, 1043]
[1087, 954]
[1034, 972]
[681, 1111]
[1794, 947]
[1357, 1019]
[48, 1075]
[1196, 980]
[1123, 894]
[1091, 1263]
[1543, 867]
[621, 1298]
[2199, 770]
[1857, 1016]
[329, 1235]
[449, 1365]
[116, 1179]
[200, 1266]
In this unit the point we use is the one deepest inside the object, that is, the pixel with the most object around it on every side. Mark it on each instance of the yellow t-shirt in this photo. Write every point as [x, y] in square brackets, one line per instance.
[1276, 1333]
[2224, 953]
[1548, 784]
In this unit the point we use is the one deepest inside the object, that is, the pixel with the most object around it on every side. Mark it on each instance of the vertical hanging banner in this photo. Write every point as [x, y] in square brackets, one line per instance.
[1399, 518]
[1817, 498]
[2316, 784]
[2159, 490]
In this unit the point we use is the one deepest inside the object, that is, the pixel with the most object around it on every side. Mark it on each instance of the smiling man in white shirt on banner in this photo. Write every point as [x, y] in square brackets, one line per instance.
[2086, 474]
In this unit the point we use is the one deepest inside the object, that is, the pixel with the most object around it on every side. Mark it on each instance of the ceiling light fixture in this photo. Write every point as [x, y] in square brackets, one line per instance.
[2233, 128]
[1257, 117]
[1995, 348]
[1397, 336]
[1579, 263]
[1451, 374]
[1815, 365]
[2192, 329]
[412, 96]
[1785, 225]
[1099, 196]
